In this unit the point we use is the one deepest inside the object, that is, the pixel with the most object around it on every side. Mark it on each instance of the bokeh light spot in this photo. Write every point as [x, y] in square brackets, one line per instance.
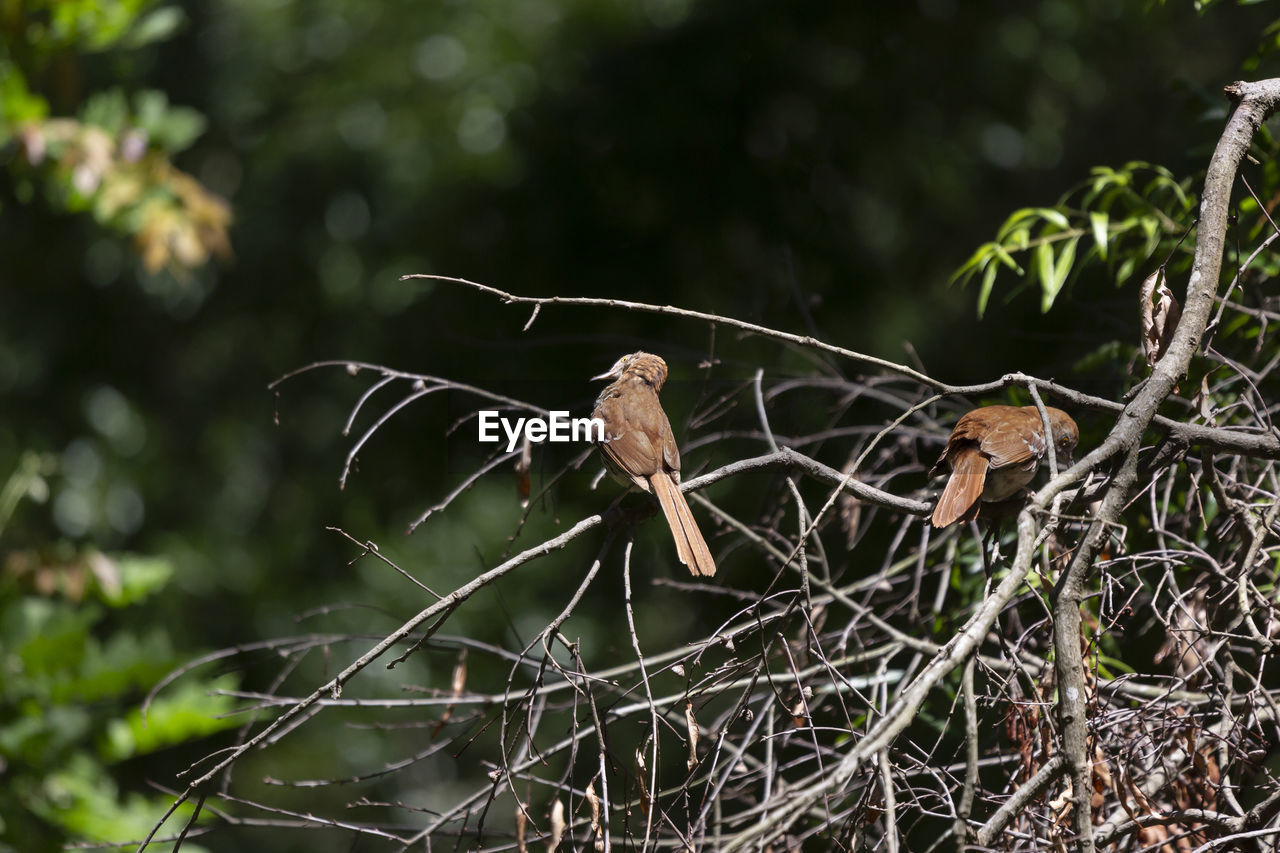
[439, 57]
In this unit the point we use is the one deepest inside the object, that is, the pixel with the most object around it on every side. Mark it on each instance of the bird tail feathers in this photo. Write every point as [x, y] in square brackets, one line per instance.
[963, 493]
[691, 548]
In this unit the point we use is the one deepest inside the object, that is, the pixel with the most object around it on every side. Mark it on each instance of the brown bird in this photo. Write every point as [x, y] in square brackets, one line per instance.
[994, 452]
[641, 453]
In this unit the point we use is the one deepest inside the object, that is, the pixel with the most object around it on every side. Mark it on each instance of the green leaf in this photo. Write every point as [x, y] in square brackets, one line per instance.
[1109, 353]
[1054, 217]
[1044, 264]
[53, 640]
[1007, 260]
[976, 263]
[172, 128]
[1150, 227]
[17, 104]
[118, 664]
[988, 281]
[108, 110]
[1114, 664]
[83, 799]
[140, 576]
[1052, 286]
[157, 25]
[38, 734]
[1099, 220]
[1105, 177]
[1126, 269]
[192, 710]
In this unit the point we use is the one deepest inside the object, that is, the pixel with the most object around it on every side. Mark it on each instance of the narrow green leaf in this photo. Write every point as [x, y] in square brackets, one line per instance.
[988, 280]
[1044, 264]
[1125, 270]
[1051, 287]
[976, 263]
[156, 25]
[1054, 217]
[1015, 219]
[1104, 177]
[1007, 260]
[1150, 227]
[1099, 221]
[139, 577]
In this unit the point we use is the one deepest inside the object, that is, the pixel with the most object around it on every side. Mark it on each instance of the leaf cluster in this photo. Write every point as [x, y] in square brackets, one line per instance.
[114, 158]
[75, 662]
[1124, 214]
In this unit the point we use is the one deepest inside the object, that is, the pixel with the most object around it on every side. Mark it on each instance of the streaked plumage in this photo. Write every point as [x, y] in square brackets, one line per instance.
[640, 451]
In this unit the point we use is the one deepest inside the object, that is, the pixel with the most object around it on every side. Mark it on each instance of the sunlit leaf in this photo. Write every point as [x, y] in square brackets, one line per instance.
[1125, 270]
[1007, 260]
[140, 576]
[988, 281]
[1061, 269]
[1098, 222]
[157, 25]
[1017, 218]
[1054, 217]
[191, 710]
[1044, 264]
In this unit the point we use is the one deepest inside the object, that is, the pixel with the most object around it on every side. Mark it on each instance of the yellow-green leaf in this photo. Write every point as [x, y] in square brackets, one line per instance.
[1099, 220]
[1044, 264]
[1054, 217]
[1052, 285]
[988, 280]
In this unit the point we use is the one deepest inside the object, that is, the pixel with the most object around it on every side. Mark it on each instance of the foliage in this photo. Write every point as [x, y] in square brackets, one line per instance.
[75, 665]
[1126, 215]
[113, 160]
[820, 165]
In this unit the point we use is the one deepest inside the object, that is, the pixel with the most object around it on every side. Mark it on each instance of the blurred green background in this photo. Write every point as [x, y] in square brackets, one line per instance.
[816, 167]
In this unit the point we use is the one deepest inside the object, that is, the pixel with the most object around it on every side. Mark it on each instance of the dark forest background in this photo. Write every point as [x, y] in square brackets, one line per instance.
[820, 168]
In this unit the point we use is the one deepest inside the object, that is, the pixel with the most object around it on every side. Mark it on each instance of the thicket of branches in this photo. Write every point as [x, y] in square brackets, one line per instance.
[1094, 672]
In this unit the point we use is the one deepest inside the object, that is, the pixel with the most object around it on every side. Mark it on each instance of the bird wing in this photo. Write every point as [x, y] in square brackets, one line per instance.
[1008, 436]
[632, 448]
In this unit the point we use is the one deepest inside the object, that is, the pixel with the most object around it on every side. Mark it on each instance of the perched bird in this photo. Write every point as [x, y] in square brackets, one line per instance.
[640, 451]
[994, 452]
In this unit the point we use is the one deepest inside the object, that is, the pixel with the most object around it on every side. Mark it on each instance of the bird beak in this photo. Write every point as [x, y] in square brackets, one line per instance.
[613, 372]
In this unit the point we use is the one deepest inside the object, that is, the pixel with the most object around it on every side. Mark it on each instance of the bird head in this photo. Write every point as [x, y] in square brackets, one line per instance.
[646, 366]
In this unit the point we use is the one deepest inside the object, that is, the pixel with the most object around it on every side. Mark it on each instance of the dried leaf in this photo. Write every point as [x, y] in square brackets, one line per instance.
[523, 465]
[640, 779]
[691, 722]
[1141, 801]
[459, 680]
[458, 683]
[1203, 402]
[594, 801]
[1061, 804]
[521, 820]
[1160, 313]
[557, 826]
[850, 510]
